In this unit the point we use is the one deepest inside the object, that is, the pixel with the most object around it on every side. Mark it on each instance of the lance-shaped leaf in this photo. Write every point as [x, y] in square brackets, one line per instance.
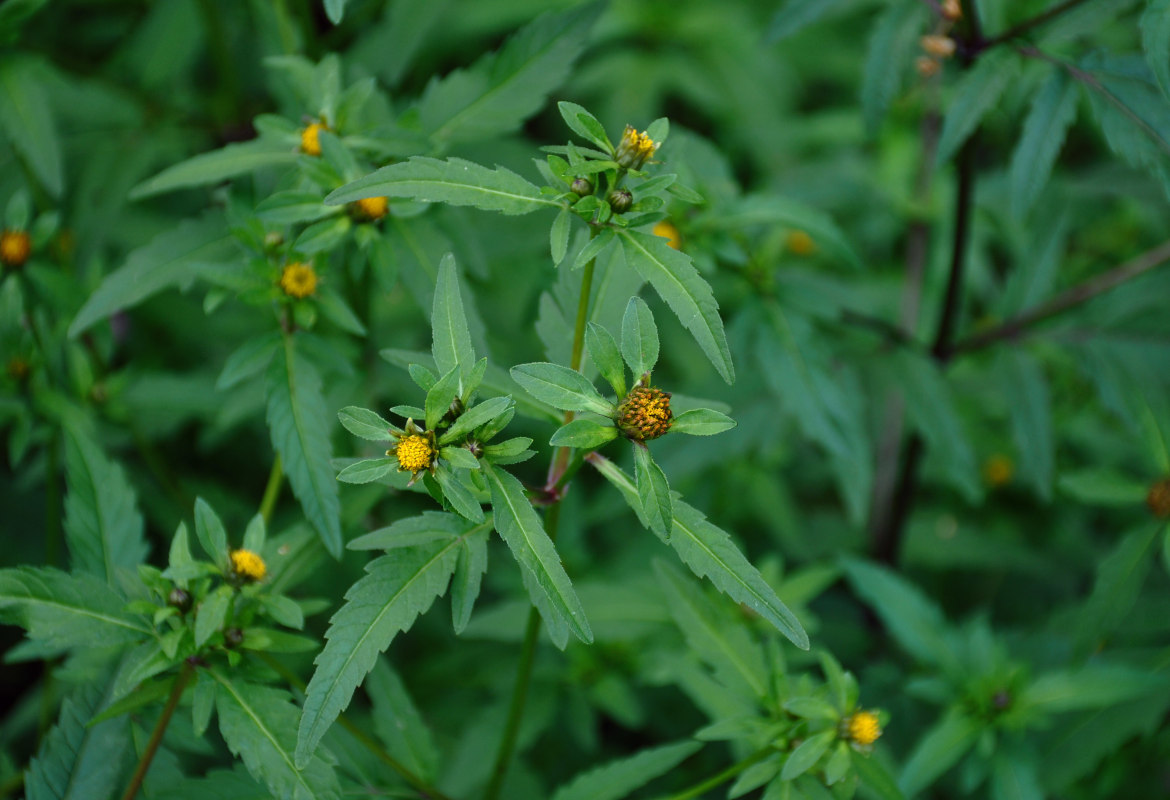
[561, 388]
[473, 562]
[701, 422]
[102, 523]
[617, 779]
[676, 280]
[257, 723]
[1053, 109]
[976, 94]
[501, 90]
[455, 181]
[639, 337]
[475, 417]
[399, 724]
[450, 337]
[77, 761]
[603, 351]
[365, 423]
[26, 119]
[62, 611]
[395, 590]
[298, 424]
[938, 750]
[583, 433]
[519, 526]
[1156, 41]
[654, 491]
[710, 553]
[170, 259]
[218, 165]
[210, 532]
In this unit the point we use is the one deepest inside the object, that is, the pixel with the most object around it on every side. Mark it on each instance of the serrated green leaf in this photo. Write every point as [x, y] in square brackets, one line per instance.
[298, 424]
[677, 282]
[938, 750]
[503, 89]
[475, 417]
[399, 724]
[425, 528]
[61, 612]
[795, 15]
[202, 702]
[892, 46]
[386, 600]
[653, 491]
[76, 760]
[217, 166]
[701, 422]
[366, 424]
[561, 388]
[250, 359]
[548, 585]
[257, 723]
[639, 337]
[291, 208]
[27, 119]
[454, 181]
[103, 527]
[603, 351]
[459, 457]
[367, 470]
[710, 553]
[1053, 109]
[335, 10]
[583, 433]
[584, 124]
[323, 235]
[440, 397]
[558, 236]
[473, 562]
[1156, 41]
[616, 779]
[172, 258]
[450, 337]
[1120, 577]
[213, 613]
[457, 494]
[975, 95]
[1026, 392]
[1014, 777]
[210, 532]
[1093, 686]
[594, 247]
[811, 708]
[770, 210]
[807, 754]
[737, 660]
[876, 777]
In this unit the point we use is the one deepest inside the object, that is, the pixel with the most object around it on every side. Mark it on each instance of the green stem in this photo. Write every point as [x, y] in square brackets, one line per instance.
[272, 490]
[368, 742]
[1029, 24]
[722, 777]
[160, 728]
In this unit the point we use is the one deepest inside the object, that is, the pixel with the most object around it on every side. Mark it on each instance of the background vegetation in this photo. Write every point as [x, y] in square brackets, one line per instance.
[941, 510]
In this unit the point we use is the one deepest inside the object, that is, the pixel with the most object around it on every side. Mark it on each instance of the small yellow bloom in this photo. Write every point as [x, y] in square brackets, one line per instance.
[938, 46]
[311, 138]
[800, 243]
[863, 727]
[645, 413]
[298, 280]
[15, 247]
[248, 565]
[667, 231]
[998, 470]
[634, 148]
[1158, 500]
[372, 208]
[414, 453]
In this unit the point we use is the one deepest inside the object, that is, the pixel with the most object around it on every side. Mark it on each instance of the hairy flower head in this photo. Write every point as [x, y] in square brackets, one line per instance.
[667, 231]
[645, 413]
[862, 727]
[15, 247]
[311, 138]
[415, 450]
[248, 565]
[298, 280]
[634, 148]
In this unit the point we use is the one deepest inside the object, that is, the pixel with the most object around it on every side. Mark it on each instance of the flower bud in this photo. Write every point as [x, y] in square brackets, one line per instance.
[582, 187]
[620, 201]
[634, 148]
[233, 638]
[370, 209]
[15, 247]
[862, 727]
[645, 414]
[180, 599]
[311, 139]
[939, 46]
[927, 67]
[1158, 499]
[952, 10]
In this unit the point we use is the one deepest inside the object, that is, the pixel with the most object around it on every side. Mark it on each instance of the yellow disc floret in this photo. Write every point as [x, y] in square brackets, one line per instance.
[668, 232]
[998, 470]
[634, 148]
[298, 280]
[311, 138]
[800, 243]
[645, 413]
[863, 727]
[371, 208]
[414, 453]
[248, 565]
[15, 247]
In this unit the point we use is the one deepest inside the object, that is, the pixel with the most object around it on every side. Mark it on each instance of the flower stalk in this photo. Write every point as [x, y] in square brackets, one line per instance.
[160, 728]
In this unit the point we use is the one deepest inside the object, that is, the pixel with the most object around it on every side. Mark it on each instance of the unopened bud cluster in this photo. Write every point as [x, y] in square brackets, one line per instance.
[939, 45]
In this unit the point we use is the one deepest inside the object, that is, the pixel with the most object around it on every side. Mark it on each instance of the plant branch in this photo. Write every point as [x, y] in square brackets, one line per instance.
[272, 489]
[1070, 298]
[722, 777]
[160, 728]
[1034, 22]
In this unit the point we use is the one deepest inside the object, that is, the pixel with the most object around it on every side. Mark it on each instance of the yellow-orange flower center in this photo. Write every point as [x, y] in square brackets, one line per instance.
[414, 453]
[800, 243]
[645, 413]
[248, 565]
[668, 232]
[311, 138]
[998, 470]
[15, 247]
[372, 208]
[634, 148]
[298, 280]
[863, 727]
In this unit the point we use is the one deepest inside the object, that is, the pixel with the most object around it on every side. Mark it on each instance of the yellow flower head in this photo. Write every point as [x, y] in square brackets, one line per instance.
[998, 470]
[634, 148]
[800, 243]
[311, 138]
[15, 247]
[667, 231]
[645, 413]
[298, 280]
[1158, 500]
[415, 453]
[248, 565]
[863, 727]
[371, 208]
